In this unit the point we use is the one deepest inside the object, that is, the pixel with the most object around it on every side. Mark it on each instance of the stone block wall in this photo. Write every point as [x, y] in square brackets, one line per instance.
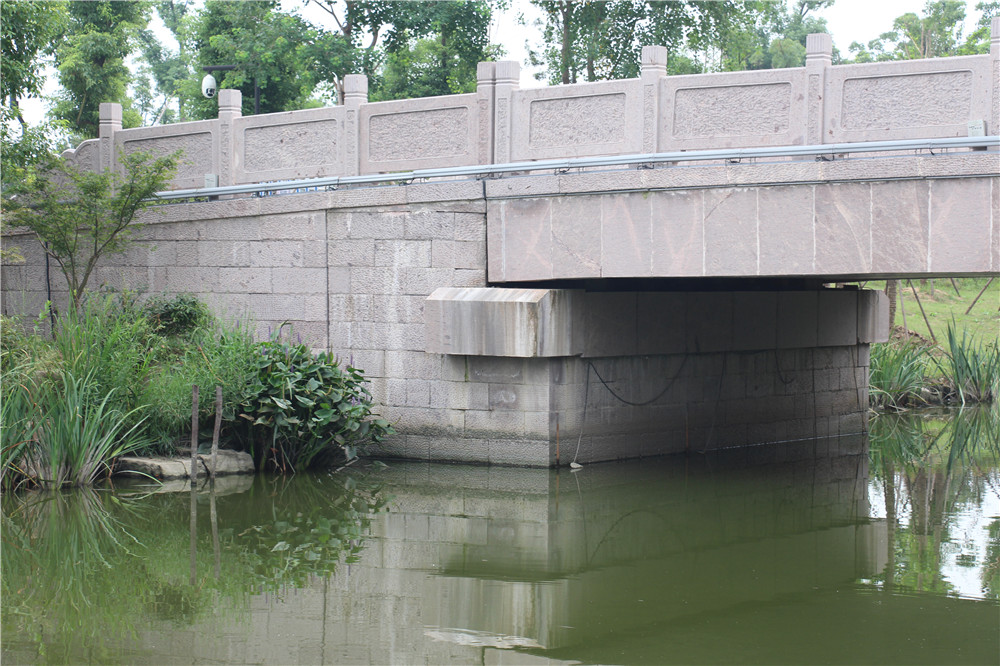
[352, 271]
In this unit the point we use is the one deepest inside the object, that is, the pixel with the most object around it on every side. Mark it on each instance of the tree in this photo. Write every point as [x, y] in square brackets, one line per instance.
[445, 61]
[162, 72]
[407, 49]
[264, 44]
[603, 40]
[29, 30]
[82, 216]
[937, 34]
[978, 40]
[91, 62]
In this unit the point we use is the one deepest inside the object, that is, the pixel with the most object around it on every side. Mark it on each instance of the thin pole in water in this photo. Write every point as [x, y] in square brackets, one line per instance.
[194, 434]
[218, 427]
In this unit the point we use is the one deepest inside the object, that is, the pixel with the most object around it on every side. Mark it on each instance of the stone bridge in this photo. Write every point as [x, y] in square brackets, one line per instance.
[582, 272]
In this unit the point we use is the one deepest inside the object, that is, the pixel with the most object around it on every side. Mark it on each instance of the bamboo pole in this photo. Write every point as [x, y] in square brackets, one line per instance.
[194, 434]
[955, 285]
[921, 306]
[218, 427]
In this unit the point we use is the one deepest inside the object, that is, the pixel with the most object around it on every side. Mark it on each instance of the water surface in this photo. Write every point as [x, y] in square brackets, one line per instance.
[824, 551]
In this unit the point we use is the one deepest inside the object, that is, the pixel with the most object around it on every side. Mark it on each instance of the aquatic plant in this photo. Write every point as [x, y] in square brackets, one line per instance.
[74, 440]
[896, 374]
[304, 405]
[971, 366]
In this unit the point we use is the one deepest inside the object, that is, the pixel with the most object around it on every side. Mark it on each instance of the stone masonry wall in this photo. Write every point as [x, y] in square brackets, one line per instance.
[351, 272]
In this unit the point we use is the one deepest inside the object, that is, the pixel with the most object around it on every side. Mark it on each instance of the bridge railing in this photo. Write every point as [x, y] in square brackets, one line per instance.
[500, 123]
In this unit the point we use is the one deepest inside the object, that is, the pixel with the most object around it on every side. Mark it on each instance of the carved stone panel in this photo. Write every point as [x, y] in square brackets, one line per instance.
[196, 159]
[914, 100]
[290, 146]
[573, 121]
[418, 134]
[743, 110]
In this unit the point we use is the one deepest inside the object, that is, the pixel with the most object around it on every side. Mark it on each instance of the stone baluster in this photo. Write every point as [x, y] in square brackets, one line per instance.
[654, 66]
[819, 57]
[230, 150]
[485, 73]
[506, 80]
[994, 122]
[110, 122]
[355, 94]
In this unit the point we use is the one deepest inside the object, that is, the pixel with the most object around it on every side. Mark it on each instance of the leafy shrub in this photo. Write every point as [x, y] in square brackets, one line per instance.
[304, 406]
[178, 315]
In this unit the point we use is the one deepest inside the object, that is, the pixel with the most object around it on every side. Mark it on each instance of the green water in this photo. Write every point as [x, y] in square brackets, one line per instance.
[826, 551]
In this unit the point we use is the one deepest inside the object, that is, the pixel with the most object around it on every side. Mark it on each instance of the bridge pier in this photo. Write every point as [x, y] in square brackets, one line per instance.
[592, 376]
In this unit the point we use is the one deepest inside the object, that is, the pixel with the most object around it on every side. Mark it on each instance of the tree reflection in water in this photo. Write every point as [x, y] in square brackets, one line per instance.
[84, 569]
[934, 469]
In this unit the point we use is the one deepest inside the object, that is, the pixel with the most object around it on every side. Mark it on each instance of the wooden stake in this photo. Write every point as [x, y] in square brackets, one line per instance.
[218, 427]
[955, 285]
[921, 306]
[194, 434]
[979, 295]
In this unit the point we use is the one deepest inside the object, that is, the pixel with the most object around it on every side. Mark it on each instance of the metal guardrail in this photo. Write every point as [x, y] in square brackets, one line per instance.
[727, 154]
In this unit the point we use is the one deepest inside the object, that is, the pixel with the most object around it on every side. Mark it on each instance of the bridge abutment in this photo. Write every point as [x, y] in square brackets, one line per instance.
[591, 376]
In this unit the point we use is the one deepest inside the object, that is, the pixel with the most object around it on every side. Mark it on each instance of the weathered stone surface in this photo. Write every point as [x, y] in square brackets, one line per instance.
[230, 462]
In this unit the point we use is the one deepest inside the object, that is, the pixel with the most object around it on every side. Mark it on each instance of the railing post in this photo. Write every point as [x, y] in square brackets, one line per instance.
[819, 56]
[110, 122]
[485, 73]
[230, 154]
[994, 127]
[654, 66]
[507, 78]
[355, 94]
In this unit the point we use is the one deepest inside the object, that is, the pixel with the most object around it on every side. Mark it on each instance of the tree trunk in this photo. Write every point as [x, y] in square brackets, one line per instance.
[892, 291]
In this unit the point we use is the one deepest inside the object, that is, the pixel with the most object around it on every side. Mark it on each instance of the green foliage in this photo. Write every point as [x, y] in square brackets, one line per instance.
[82, 216]
[972, 366]
[91, 62]
[68, 436]
[112, 360]
[176, 315]
[897, 374]
[591, 41]
[264, 44]
[936, 34]
[304, 405]
[208, 356]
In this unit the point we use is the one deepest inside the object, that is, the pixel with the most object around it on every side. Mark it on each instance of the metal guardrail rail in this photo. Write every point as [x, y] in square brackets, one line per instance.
[727, 154]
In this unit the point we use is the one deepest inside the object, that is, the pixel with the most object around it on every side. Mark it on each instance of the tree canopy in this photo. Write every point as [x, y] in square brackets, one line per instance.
[938, 33]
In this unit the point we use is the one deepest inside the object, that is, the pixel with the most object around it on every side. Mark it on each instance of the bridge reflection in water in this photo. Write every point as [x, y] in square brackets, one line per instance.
[802, 552]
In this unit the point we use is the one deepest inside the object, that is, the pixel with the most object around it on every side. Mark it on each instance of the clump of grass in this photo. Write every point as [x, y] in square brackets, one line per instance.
[57, 436]
[971, 366]
[897, 374]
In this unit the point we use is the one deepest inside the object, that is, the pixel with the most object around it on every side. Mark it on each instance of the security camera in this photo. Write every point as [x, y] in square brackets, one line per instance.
[208, 86]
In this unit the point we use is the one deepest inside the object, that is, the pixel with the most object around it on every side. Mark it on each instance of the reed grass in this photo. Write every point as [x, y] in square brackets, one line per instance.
[897, 375]
[971, 366]
[73, 439]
